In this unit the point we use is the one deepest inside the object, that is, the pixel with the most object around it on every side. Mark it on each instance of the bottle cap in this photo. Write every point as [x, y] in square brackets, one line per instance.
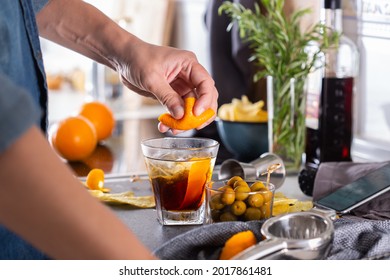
[332, 4]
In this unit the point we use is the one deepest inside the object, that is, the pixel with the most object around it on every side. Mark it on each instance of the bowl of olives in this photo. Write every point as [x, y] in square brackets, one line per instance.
[238, 200]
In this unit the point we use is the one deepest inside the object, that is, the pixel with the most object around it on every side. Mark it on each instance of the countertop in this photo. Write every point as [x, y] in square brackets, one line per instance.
[143, 222]
[121, 158]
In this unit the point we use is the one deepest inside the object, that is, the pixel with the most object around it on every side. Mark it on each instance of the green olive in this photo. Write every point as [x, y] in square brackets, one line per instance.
[255, 200]
[233, 180]
[240, 184]
[215, 202]
[238, 208]
[242, 191]
[257, 186]
[215, 215]
[267, 195]
[266, 210]
[224, 188]
[227, 217]
[228, 196]
[252, 213]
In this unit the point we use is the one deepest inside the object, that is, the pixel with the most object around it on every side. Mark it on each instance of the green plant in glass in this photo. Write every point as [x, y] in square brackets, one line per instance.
[280, 49]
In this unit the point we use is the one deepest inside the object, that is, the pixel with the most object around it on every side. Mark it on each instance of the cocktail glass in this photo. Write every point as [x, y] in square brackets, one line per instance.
[179, 169]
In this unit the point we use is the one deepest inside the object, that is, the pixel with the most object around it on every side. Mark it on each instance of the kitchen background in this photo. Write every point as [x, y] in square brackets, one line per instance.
[180, 23]
[163, 22]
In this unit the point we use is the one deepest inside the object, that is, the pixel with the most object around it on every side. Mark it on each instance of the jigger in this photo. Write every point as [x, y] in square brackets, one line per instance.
[255, 170]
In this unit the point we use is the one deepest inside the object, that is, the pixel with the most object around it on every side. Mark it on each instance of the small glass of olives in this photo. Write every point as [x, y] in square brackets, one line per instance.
[238, 200]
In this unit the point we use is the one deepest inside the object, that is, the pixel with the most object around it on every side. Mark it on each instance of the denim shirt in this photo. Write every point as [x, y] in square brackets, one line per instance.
[23, 94]
[20, 53]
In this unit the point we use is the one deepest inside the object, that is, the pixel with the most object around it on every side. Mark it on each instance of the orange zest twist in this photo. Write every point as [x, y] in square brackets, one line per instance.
[95, 180]
[189, 120]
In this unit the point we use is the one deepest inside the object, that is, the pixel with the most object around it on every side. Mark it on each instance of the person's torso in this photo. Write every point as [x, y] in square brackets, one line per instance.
[20, 53]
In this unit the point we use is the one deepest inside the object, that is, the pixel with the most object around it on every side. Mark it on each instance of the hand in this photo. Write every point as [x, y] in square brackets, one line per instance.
[169, 75]
[165, 73]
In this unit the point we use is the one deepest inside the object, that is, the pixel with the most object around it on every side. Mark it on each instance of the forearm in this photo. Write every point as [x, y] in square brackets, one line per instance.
[43, 202]
[165, 73]
[81, 27]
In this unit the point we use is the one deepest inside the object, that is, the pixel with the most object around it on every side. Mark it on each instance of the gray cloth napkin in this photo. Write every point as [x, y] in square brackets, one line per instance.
[204, 242]
[354, 239]
[365, 234]
[333, 175]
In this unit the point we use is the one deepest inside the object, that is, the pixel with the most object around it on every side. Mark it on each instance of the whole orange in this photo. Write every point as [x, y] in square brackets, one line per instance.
[101, 117]
[75, 138]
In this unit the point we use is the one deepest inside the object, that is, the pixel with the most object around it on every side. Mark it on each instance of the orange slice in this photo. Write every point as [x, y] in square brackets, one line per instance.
[197, 178]
[189, 120]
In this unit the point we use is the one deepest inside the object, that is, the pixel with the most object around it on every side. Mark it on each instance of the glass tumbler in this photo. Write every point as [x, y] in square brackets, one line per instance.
[179, 169]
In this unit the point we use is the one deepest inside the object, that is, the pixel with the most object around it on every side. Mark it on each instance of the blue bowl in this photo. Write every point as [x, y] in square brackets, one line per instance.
[245, 140]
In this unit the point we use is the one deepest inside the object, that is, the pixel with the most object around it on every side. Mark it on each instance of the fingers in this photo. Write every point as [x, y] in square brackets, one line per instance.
[171, 75]
[164, 129]
[183, 88]
[168, 96]
[196, 82]
[207, 94]
[189, 120]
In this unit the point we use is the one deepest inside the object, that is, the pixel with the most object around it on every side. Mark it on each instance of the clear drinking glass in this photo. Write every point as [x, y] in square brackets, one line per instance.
[179, 169]
[225, 204]
[286, 99]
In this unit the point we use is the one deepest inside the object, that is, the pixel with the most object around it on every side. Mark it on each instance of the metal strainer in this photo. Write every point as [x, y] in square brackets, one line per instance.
[302, 235]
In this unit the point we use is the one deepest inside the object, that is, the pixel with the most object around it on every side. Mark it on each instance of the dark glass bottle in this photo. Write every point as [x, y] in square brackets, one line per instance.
[330, 103]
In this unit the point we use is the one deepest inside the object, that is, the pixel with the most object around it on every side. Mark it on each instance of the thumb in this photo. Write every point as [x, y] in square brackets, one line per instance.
[171, 100]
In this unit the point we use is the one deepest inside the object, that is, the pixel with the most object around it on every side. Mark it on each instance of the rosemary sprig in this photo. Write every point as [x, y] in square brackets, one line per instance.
[277, 41]
[280, 48]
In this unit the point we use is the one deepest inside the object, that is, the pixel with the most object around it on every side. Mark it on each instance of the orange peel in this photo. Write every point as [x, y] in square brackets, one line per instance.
[189, 120]
[197, 178]
[237, 243]
[95, 180]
